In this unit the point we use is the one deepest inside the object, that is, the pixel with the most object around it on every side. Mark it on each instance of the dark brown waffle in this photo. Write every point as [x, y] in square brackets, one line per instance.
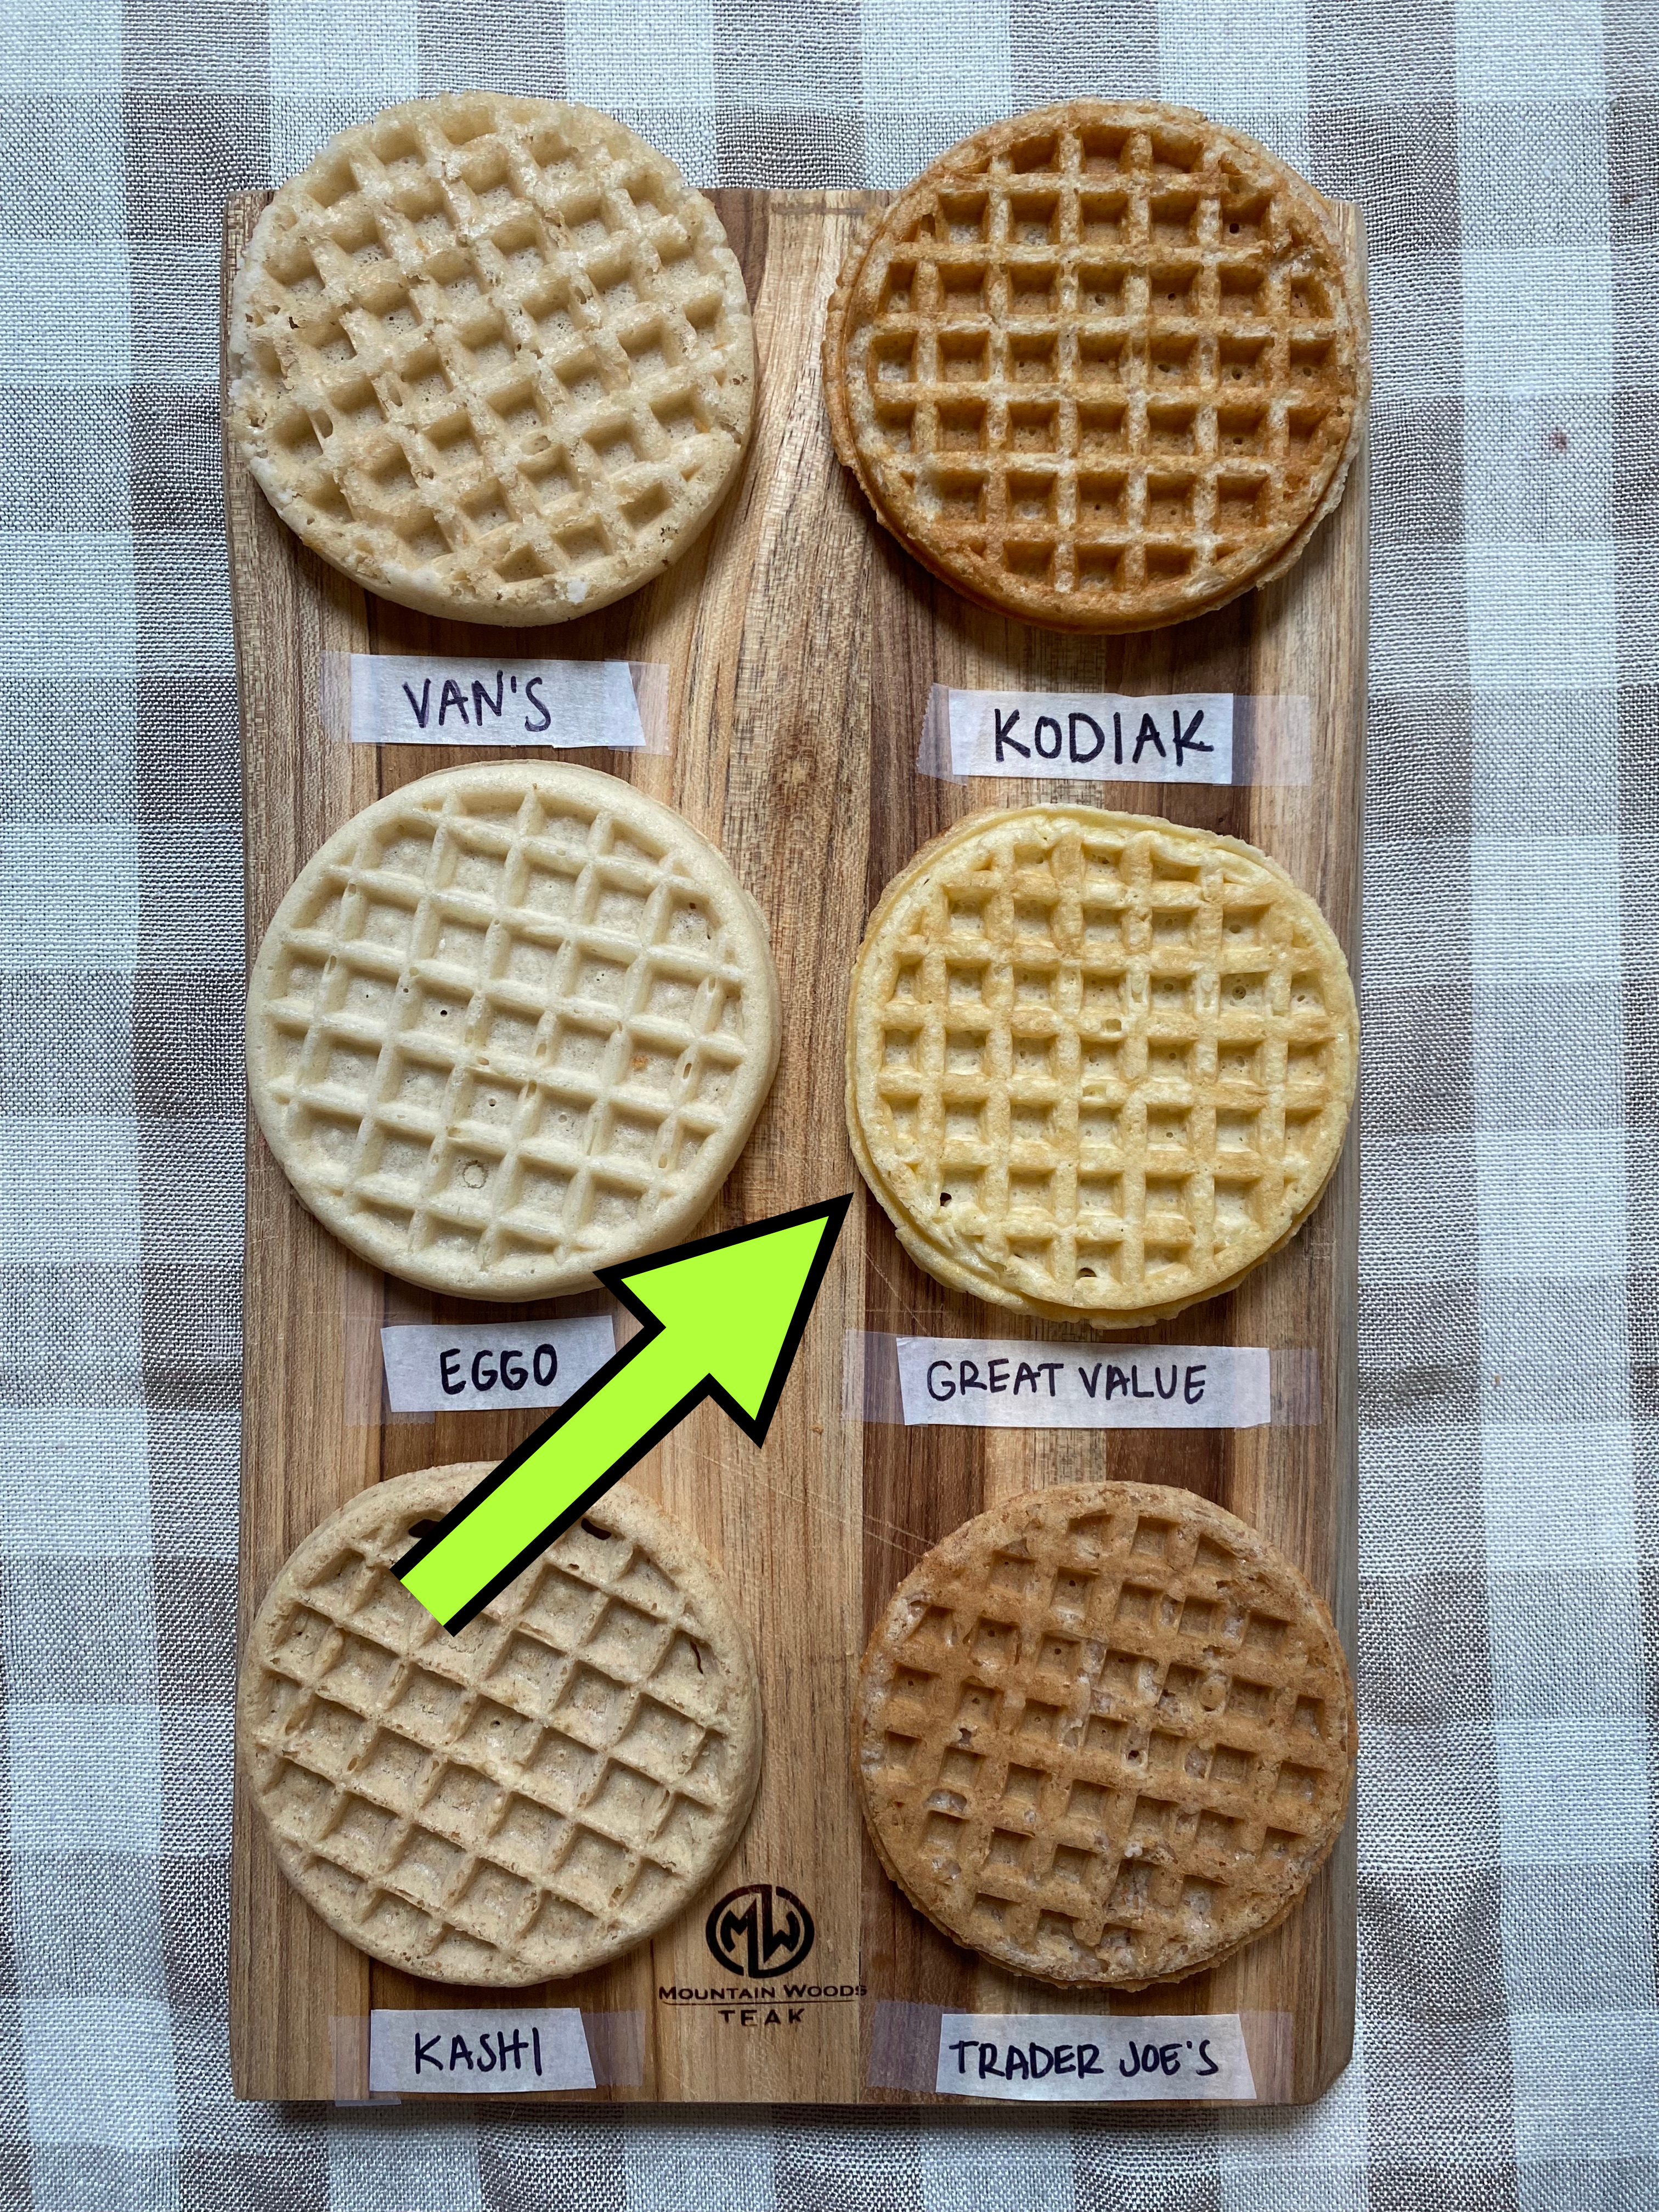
[1103, 366]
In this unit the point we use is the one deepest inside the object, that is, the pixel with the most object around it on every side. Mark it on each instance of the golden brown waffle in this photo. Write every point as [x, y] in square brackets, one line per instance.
[1103, 366]
[1104, 1734]
[523, 1801]
[512, 1024]
[492, 357]
[1098, 1064]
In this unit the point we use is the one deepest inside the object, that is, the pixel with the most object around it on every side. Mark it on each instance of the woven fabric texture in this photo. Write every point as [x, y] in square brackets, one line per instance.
[1506, 153]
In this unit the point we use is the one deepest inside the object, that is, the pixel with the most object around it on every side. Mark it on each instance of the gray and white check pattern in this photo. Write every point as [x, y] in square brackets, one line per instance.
[1506, 153]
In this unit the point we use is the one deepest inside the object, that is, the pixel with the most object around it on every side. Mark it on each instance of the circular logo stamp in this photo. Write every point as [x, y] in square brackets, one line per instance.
[760, 1929]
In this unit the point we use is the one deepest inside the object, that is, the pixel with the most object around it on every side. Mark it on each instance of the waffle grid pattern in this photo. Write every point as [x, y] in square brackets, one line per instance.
[1100, 1062]
[1506, 2003]
[1106, 1734]
[519, 1802]
[493, 356]
[1107, 371]
[510, 1026]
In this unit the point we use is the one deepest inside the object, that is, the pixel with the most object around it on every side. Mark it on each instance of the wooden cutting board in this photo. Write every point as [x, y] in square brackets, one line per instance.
[801, 645]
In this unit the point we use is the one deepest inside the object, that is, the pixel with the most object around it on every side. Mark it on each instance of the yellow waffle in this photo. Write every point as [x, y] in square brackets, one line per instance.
[1103, 366]
[1104, 1735]
[981, 1282]
[511, 1025]
[492, 357]
[524, 1800]
[1098, 1064]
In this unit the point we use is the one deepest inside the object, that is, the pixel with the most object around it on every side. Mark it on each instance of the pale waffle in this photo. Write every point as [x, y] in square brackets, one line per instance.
[492, 357]
[512, 1024]
[1104, 1734]
[1098, 1065]
[1103, 366]
[521, 1801]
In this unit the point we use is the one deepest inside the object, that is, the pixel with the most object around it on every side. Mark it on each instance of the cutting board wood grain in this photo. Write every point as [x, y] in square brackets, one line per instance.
[801, 644]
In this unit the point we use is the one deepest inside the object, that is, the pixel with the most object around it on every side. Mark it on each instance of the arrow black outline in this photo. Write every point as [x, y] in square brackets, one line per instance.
[832, 1210]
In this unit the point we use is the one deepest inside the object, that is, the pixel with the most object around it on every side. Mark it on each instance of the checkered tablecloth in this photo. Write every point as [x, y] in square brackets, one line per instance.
[1506, 154]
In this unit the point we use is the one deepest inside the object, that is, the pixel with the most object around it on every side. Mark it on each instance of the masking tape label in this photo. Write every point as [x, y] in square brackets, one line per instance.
[399, 699]
[480, 2052]
[1014, 1384]
[1057, 2058]
[1186, 737]
[484, 1366]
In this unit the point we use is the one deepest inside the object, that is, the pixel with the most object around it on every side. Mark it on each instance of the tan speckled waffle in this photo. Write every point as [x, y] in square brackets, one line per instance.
[1098, 1064]
[1104, 1734]
[511, 1025]
[526, 1800]
[1103, 366]
[492, 357]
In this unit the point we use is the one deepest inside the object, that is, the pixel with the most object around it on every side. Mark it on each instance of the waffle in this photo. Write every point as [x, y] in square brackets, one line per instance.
[511, 1025]
[492, 357]
[1104, 1734]
[526, 1800]
[1098, 1064]
[1102, 367]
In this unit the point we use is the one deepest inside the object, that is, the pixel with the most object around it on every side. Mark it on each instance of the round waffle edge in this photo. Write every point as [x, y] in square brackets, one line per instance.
[368, 1227]
[497, 388]
[702, 1788]
[1068, 1788]
[994, 585]
[963, 1261]
[979, 1284]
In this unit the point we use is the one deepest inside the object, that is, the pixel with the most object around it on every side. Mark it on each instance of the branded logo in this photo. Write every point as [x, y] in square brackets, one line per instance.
[760, 1929]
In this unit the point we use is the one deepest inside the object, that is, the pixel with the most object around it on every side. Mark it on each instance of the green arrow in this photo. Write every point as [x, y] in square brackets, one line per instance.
[722, 1317]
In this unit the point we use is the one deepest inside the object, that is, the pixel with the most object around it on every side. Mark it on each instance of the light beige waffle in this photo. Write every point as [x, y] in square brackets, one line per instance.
[526, 1800]
[1104, 1734]
[1098, 1064]
[492, 357]
[1103, 366]
[512, 1024]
